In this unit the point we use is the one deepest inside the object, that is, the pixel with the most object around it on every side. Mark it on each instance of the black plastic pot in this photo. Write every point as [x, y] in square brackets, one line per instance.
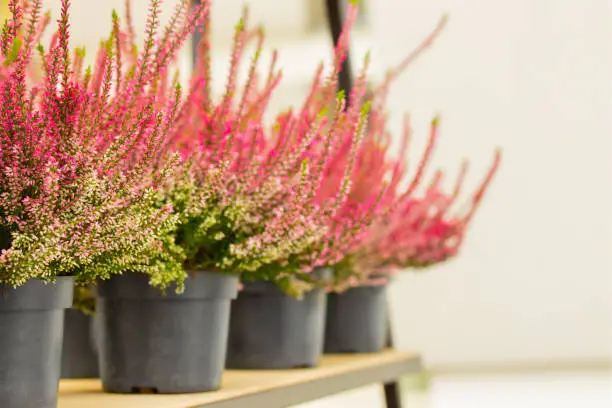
[357, 320]
[271, 330]
[79, 356]
[31, 329]
[155, 343]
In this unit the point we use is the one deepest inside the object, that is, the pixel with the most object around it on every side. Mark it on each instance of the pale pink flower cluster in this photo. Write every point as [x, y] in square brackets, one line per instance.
[77, 146]
[288, 214]
[117, 169]
[416, 226]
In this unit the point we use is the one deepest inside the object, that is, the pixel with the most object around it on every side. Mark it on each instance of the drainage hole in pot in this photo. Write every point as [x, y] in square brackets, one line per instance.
[144, 390]
[302, 366]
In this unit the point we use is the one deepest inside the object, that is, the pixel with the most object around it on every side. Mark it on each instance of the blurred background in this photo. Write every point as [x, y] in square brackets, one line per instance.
[524, 316]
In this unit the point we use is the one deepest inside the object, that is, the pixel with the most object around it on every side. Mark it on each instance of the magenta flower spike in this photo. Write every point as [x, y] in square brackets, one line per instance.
[414, 227]
[79, 179]
[265, 202]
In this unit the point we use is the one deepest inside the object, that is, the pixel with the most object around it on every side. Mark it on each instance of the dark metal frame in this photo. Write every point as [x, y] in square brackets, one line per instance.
[393, 392]
[389, 375]
[335, 17]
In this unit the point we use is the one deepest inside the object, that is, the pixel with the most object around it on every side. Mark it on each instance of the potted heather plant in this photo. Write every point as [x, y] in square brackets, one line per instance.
[70, 210]
[172, 340]
[277, 321]
[292, 307]
[230, 221]
[411, 230]
[118, 54]
[416, 232]
[230, 224]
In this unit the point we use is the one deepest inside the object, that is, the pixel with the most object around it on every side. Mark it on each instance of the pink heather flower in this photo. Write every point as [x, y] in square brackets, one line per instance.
[265, 202]
[79, 150]
[411, 229]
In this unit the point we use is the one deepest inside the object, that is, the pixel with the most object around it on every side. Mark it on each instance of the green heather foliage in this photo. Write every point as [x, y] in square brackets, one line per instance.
[116, 168]
[78, 192]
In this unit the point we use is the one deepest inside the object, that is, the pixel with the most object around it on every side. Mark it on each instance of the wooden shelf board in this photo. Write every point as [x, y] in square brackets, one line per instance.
[272, 389]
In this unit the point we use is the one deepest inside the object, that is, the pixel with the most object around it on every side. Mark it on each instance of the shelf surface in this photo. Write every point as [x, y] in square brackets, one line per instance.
[270, 389]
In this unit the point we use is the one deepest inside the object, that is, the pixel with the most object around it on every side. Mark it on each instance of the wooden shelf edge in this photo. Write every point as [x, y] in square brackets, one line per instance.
[270, 389]
[324, 386]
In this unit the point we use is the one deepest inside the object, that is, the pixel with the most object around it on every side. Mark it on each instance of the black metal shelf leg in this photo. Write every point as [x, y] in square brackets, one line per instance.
[392, 389]
[335, 18]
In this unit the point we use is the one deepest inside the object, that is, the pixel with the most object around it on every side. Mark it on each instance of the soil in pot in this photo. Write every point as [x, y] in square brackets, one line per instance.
[271, 330]
[31, 331]
[163, 343]
[357, 320]
[79, 356]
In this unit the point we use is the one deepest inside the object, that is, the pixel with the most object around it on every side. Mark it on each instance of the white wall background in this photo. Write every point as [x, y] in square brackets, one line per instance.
[534, 76]
[92, 18]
